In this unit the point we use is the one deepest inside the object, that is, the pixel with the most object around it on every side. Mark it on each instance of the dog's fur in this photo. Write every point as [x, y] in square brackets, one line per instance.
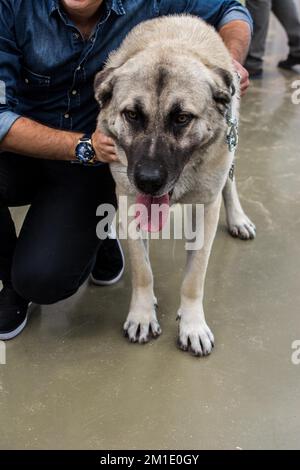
[173, 66]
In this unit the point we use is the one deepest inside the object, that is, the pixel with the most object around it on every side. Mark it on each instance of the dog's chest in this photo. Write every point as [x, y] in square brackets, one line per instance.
[196, 185]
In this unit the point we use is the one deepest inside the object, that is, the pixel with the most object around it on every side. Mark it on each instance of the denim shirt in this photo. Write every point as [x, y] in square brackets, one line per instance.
[47, 69]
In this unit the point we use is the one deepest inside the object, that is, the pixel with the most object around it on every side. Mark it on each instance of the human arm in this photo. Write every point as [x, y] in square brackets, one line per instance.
[237, 36]
[27, 137]
[19, 134]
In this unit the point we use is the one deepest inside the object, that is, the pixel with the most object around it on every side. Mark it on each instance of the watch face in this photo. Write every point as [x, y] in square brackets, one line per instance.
[85, 152]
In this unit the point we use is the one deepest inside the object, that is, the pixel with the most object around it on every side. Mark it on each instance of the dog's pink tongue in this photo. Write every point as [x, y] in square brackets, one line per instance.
[152, 212]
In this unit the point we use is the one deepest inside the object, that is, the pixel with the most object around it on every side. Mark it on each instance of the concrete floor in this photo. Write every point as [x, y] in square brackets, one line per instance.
[72, 381]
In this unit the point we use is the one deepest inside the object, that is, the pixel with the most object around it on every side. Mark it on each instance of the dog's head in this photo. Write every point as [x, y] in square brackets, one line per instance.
[161, 112]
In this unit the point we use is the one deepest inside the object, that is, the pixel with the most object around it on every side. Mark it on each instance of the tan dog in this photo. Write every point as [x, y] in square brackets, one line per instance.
[166, 97]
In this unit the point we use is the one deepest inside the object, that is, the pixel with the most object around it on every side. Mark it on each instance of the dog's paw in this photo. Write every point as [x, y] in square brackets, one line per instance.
[194, 335]
[140, 326]
[240, 226]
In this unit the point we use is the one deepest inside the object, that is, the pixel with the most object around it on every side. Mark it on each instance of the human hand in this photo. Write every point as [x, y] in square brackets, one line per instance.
[104, 147]
[243, 73]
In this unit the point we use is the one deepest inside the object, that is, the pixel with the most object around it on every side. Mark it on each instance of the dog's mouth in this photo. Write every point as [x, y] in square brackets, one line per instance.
[152, 211]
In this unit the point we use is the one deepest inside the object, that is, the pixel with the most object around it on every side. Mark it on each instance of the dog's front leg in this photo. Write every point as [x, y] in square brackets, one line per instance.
[141, 321]
[194, 333]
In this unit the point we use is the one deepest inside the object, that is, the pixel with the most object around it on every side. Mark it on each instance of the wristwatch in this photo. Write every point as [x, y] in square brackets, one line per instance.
[84, 151]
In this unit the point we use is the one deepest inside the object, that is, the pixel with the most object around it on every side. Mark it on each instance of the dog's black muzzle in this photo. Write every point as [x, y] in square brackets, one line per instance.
[150, 177]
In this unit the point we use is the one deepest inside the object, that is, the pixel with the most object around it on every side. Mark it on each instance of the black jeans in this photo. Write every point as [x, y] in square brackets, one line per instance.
[56, 249]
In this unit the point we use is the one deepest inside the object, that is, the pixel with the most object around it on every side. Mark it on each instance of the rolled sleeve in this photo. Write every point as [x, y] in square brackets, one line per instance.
[10, 67]
[7, 118]
[234, 14]
[215, 12]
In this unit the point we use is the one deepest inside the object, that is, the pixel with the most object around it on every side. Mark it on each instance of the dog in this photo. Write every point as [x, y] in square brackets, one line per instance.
[168, 98]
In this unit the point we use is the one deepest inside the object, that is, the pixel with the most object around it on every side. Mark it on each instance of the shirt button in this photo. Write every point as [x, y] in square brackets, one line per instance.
[75, 35]
[26, 80]
[78, 68]
[74, 92]
[66, 116]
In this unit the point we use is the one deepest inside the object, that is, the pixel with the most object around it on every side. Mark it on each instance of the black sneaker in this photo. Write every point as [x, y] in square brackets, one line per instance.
[289, 63]
[13, 313]
[110, 263]
[255, 74]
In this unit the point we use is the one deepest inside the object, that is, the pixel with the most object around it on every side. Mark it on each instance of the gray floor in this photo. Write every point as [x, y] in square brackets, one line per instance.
[72, 381]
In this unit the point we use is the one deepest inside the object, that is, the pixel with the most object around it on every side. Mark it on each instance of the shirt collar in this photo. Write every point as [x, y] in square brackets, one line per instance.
[53, 6]
[115, 5]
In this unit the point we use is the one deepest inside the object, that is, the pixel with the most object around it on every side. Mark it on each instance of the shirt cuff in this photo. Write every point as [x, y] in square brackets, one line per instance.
[236, 14]
[7, 118]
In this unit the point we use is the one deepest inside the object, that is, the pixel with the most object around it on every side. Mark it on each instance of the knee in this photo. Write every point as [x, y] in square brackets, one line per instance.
[44, 286]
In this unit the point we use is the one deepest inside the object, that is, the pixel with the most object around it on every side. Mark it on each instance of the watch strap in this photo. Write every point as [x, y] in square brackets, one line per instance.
[86, 138]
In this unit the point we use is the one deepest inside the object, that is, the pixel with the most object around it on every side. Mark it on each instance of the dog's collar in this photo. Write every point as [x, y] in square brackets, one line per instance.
[232, 136]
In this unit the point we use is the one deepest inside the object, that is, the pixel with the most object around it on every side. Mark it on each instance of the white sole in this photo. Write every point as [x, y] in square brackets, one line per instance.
[98, 282]
[107, 283]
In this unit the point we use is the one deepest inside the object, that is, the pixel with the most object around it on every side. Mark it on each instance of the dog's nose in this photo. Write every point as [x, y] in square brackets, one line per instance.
[150, 177]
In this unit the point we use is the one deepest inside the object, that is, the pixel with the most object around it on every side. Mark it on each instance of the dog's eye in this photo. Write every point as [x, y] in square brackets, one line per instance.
[131, 115]
[182, 119]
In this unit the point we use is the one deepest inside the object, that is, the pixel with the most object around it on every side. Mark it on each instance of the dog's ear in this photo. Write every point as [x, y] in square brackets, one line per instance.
[223, 93]
[104, 85]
